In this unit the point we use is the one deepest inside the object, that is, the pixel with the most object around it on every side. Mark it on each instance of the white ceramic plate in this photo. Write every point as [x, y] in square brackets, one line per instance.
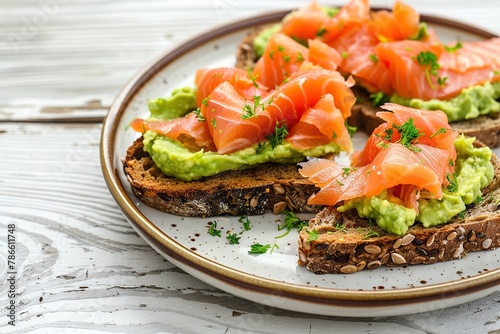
[274, 278]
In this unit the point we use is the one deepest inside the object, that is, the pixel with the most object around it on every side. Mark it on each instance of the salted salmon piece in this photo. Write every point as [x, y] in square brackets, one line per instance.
[284, 57]
[410, 79]
[281, 58]
[399, 24]
[194, 134]
[323, 55]
[320, 171]
[320, 125]
[224, 111]
[291, 99]
[407, 194]
[353, 12]
[432, 125]
[206, 79]
[356, 44]
[337, 182]
[472, 55]
[305, 23]
[394, 166]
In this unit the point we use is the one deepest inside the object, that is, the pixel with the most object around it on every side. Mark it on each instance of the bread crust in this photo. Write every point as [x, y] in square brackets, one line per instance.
[251, 191]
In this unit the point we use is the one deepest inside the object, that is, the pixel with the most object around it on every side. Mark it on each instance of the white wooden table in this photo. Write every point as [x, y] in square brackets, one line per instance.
[80, 267]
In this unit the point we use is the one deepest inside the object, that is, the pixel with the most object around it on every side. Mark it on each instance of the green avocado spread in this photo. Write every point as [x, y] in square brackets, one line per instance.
[175, 160]
[179, 103]
[474, 171]
[472, 102]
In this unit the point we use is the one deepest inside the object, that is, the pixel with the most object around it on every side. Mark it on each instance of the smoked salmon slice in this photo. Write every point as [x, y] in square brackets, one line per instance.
[390, 162]
[403, 22]
[194, 134]
[320, 125]
[305, 22]
[283, 57]
[428, 71]
[206, 79]
[236, 123]
[356, 44]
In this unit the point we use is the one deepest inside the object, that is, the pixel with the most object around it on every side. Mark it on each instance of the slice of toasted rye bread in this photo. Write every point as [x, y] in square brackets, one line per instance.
[250, 191]
[344, 244]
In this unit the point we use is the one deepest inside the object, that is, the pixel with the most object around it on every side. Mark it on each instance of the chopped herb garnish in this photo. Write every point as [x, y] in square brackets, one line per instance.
[254, 81]
[233, 238]
[341, 227]
[344, 54]
[429, 60]
[451, 163]
[461, 214]
[212, 230]
[291, 221]
[374, 58]
[214, 122]
[313, 235]
[246, 222]
[382, 145]
[453, 48]
[339, 182]
[388, 134]
[321, 31]
[442, 81]
[279, 134]
[370, 234]
[271, 55]
[260, 147]
[409, 132]
[350, 129]
[438, 132]
[479, 199]
[258, 248]
[379, 98]
[281, 48]
[252, 111]
[199, 116]
[452, 179]
[299, 57]
[286, 58]
[205, 101]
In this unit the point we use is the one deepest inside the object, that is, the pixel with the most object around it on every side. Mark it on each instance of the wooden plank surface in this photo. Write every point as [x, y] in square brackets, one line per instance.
[81, 267]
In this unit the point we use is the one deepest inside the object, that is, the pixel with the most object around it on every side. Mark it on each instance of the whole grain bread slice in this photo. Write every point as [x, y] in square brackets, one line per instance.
[345, 243]
[251, 191]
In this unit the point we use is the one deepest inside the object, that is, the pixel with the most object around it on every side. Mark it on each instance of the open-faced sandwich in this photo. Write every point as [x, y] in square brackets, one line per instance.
[417, 193]
[395, 57]
[230, 144]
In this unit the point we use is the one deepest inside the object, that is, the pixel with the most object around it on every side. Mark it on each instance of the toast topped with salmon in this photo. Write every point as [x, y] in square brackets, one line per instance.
[203, 140]
[395, 57]
[417, 193]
